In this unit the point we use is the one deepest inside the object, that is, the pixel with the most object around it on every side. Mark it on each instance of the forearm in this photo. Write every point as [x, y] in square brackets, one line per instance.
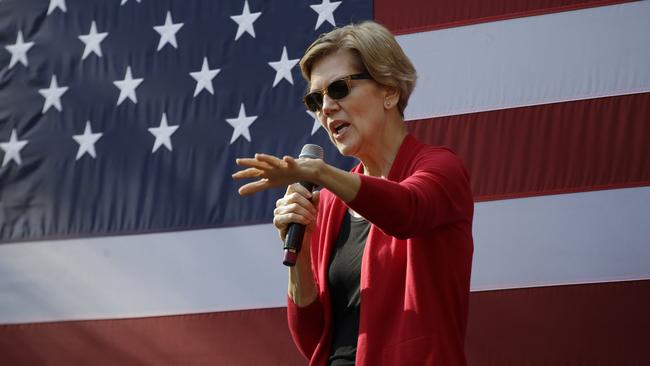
[302, 288]
[343, 184]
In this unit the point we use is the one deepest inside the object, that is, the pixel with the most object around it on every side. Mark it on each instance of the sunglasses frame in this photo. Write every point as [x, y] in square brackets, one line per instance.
[324, 91]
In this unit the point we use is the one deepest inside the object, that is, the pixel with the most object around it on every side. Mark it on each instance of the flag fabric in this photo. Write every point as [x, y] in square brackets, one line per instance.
[123, 239]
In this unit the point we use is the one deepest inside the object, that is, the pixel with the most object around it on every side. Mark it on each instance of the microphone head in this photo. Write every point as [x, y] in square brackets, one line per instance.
[311, 151]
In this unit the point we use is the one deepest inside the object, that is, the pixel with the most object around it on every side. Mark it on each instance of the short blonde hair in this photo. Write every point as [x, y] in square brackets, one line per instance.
[378, 53]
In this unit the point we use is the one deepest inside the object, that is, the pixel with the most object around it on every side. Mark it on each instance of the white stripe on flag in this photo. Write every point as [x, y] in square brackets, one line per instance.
[586, 237]
[142, 275]
[547, 240]
[582, 54]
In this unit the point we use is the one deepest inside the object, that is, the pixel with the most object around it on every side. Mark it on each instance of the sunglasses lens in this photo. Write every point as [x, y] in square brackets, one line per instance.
[338, 89]
[314, 101]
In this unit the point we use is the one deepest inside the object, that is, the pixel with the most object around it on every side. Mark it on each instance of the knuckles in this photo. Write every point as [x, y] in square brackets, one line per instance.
[294, 207]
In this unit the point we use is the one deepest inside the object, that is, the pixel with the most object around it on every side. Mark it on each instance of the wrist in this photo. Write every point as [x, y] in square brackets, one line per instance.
[319, 172]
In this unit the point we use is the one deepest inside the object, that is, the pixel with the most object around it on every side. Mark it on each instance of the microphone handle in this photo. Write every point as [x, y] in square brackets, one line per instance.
[295, 235]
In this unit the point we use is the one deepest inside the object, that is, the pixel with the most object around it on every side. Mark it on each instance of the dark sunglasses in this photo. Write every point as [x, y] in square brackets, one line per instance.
[338, 89]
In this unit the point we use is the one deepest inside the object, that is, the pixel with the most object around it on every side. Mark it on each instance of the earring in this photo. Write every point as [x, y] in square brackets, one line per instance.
[387, 104]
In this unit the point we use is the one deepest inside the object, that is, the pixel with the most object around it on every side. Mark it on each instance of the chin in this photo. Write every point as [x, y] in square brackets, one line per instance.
[346, 150]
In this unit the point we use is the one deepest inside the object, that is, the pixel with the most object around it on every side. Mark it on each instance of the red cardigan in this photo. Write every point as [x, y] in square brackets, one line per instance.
[415, 269]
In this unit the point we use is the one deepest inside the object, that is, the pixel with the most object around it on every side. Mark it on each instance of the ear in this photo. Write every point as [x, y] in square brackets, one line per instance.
[391, 97]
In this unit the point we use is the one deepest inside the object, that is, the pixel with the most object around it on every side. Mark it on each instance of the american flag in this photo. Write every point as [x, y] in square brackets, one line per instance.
[123, 241]
[126, 116]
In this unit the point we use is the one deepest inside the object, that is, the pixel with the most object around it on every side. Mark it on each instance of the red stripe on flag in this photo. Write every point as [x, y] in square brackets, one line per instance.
[549, 149]
[596, 324]
[410, 16]
[579, 324]
[253, 337]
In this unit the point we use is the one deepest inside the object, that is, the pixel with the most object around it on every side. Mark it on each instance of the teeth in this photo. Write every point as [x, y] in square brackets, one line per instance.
[340, 127]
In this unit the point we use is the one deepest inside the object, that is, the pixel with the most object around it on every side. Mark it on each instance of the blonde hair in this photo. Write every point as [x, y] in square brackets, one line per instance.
[378, 53]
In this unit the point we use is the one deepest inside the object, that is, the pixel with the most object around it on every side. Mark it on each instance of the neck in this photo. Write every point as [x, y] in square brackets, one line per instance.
[377, 163]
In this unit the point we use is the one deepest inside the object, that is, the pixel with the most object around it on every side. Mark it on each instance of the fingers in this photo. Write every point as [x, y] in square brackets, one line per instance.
[267, 168]
[262, 162]
[297, 197]
[295, 207]
[272, 172]
[255, 168]
[254, 187]
[286, 215]
[270, 160]
[248, 173]
[253, 163]
[294, 213]
[298, 188]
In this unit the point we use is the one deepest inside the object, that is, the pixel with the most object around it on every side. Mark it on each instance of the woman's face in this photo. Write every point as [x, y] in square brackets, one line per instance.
[354, 123]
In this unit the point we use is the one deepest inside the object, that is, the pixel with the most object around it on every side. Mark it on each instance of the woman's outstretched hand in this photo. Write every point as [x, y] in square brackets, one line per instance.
[272, 172]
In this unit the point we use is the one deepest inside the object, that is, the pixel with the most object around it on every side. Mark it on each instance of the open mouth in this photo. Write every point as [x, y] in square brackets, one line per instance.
[340, 128]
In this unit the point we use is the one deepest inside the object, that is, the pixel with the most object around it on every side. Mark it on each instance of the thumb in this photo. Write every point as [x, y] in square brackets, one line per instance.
[315, 198]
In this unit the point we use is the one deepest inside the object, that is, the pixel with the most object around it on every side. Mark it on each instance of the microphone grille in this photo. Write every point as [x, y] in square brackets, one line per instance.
[311, 151]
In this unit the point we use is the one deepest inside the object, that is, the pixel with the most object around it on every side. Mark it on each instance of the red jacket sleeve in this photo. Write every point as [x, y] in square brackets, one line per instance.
[305, 325]
[435, 192]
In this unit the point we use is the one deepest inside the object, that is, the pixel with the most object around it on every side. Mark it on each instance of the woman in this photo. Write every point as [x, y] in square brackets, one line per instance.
[383, 275]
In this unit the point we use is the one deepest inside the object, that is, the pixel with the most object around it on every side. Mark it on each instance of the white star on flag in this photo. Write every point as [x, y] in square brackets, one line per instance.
[53, 95]
[87, 141]
[12, 149]
[204, 78]
[19, 50]
[124, 2]
[325, 12]
[56, 4]
[163, 134]
[283, 67]
[92, 41]
[245, 21]
[241, 125]
[127, 87]
[168, 32]
[316, 125]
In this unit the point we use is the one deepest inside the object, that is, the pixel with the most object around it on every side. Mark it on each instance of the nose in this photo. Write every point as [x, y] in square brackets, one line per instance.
[329, 105]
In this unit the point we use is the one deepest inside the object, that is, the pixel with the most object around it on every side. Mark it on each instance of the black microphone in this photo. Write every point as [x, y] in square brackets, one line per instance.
[295, 231]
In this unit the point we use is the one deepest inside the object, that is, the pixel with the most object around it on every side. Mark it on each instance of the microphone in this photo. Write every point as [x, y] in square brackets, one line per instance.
[295, 231]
